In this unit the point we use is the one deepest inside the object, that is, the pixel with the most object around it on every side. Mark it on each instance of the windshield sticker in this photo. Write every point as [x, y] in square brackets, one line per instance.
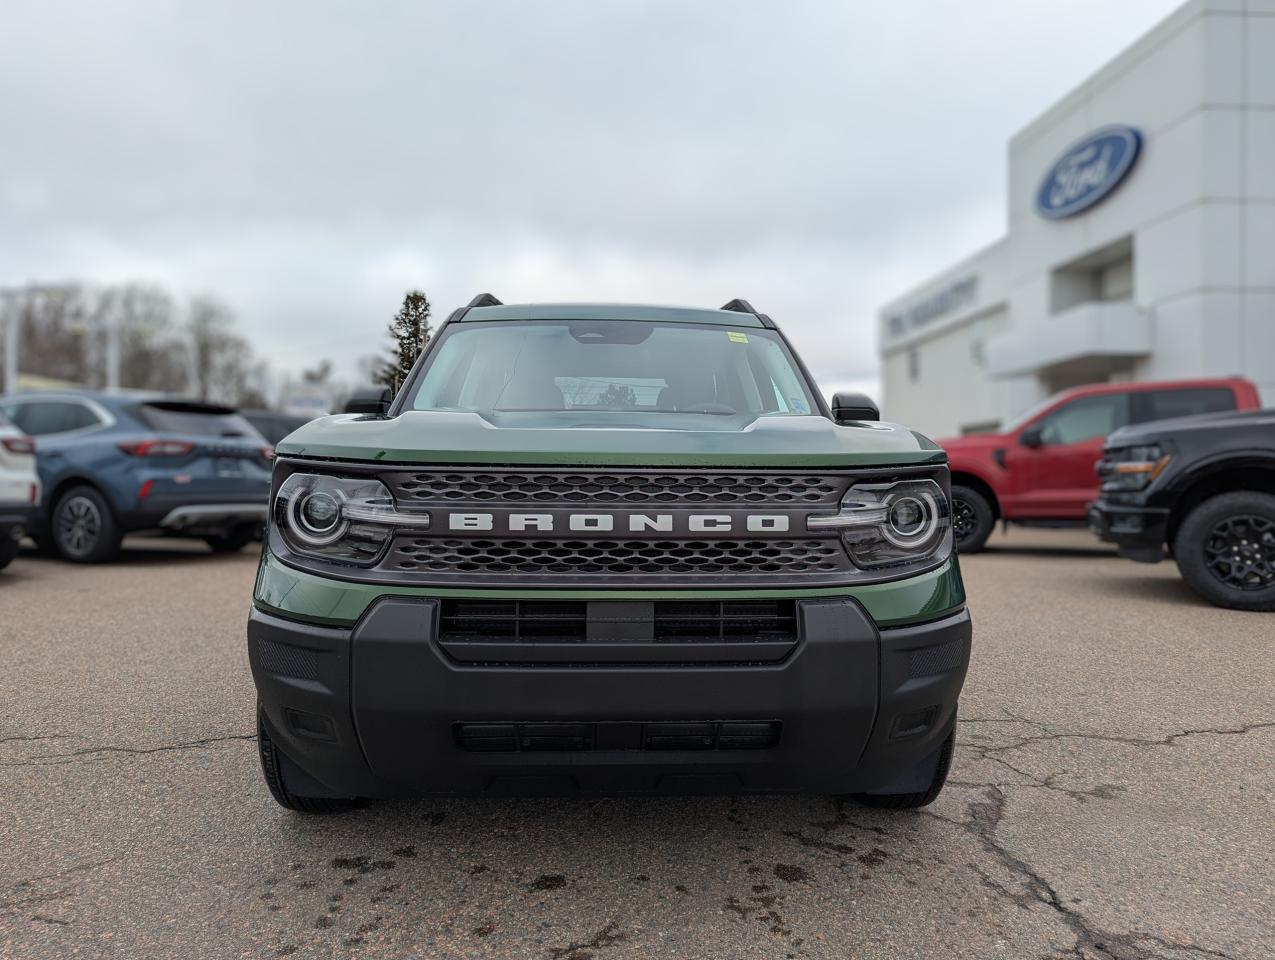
[736, 337]
[798, 405]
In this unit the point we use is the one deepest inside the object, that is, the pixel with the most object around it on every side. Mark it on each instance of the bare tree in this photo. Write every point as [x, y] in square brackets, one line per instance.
[223, 367]
[152, 355]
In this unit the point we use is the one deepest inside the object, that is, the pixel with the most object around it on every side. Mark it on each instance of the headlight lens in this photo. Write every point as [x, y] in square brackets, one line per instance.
[342, 519]
[892, 524]
[1130, 469]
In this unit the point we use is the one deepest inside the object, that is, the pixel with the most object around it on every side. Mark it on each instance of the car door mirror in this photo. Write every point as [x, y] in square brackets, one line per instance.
[853, 406]
[371, 400]
[1032, 437]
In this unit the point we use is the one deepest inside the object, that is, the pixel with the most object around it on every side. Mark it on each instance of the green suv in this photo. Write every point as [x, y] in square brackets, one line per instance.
[615, 549]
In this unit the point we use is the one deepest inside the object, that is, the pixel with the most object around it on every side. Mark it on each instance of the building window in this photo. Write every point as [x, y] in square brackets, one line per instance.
[914, 364]
[978, 353]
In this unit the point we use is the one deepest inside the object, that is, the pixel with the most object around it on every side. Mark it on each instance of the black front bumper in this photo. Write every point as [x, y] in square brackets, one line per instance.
[1139, 532]
[381, 710]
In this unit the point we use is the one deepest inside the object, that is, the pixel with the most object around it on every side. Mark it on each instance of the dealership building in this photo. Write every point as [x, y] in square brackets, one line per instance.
[1140, 242]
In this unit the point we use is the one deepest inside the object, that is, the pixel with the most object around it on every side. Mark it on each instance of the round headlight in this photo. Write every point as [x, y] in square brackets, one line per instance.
[314, 516]
[911, 519]
[319, 513]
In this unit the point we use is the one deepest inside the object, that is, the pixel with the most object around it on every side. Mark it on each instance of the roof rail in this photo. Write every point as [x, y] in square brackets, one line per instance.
[740, 305]
[483, 300]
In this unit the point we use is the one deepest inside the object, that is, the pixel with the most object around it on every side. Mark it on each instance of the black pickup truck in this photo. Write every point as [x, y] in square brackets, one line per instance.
[1204, 488]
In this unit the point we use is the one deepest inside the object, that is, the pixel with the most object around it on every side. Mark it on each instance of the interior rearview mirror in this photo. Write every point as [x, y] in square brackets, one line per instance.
[1032, 437]
[853, 406]
[373, 400]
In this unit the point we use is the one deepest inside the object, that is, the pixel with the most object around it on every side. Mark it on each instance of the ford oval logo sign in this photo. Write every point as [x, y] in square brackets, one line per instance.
[1088, 171]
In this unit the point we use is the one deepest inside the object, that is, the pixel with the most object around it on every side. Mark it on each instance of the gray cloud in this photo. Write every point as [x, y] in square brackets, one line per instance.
[309, 161]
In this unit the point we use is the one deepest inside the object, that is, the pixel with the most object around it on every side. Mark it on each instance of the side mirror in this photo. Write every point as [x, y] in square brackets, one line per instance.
[853, 406]
[373, 400]
[1032, 437]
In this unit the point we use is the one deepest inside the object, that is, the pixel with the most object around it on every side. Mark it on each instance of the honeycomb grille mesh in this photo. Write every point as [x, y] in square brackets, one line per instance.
[639, 489]
[618, 558]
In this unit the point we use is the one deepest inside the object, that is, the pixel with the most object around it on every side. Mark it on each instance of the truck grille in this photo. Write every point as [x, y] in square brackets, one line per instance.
[580, 621]
[676, 556]
[678, 559]
[579, 737]
[651, 488]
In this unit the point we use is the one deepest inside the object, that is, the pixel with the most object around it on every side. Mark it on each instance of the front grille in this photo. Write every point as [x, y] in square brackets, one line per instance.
[578, 737]
[619, 559]
[579, 621]
[652, 488]
[491, 552]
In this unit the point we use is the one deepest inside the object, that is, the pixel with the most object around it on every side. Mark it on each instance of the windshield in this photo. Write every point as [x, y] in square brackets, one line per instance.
[615, 365]
[1036, 410]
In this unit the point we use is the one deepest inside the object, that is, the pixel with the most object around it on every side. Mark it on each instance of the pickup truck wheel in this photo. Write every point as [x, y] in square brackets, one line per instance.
[84, 528]
[909, 801]
[1225, 550]
[272, 770]
[8, 552]
[972, 519]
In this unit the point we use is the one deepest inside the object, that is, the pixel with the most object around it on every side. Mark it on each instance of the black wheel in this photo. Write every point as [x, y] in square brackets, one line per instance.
[234, 539]
[272, 770]
[84, 528]
[8, 552]
[909, 801]
[972, 519]
[1225, 550]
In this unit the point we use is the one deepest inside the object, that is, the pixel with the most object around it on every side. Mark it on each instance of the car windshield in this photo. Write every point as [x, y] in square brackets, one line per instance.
[613, 365]
[1035, 411]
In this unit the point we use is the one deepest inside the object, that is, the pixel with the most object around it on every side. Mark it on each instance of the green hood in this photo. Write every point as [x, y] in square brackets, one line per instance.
[608, 437]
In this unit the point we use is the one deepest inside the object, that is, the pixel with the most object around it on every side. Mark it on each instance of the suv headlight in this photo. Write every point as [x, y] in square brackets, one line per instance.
[342, 519]
[1130, 469]
[892, 524]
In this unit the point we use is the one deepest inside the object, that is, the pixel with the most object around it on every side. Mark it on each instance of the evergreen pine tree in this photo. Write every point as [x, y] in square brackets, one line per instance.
[410, 331]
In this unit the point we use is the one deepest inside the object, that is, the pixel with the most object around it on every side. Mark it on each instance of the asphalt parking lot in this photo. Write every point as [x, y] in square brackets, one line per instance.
[1111, 798]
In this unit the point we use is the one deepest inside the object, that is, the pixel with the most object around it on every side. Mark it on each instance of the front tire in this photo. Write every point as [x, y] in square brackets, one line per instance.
[84, 529]
[1225, 550]
[272, 771]
[973, 519]
[910, 801]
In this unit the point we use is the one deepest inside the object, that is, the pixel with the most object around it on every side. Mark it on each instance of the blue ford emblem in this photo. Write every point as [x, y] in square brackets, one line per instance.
[1088, 171]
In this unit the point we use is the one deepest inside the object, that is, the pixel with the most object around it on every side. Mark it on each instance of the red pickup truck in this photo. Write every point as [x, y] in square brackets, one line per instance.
[1040, 470]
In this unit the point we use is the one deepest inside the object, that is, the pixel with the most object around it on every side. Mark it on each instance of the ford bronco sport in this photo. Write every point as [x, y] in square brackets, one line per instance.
[607, 549]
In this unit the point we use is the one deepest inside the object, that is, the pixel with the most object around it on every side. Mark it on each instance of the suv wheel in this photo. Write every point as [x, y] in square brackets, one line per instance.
[84, 528]
[234, 539]
[972, 519]
[272, 770]
[908, 801]
[1225, 550]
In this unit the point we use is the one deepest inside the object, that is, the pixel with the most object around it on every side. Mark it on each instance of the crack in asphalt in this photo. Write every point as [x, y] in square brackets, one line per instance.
[1049, 735]
[608, 936]
[56, 875]
[1092, 943]
[91, 753]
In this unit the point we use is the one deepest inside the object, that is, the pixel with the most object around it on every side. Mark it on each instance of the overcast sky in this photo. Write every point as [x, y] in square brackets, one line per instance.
[310, 161]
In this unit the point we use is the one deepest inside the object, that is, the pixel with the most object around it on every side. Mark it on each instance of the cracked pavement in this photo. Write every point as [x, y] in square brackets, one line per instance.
[1111, 799]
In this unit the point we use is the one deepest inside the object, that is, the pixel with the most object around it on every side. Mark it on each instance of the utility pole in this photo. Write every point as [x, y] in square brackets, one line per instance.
[11, 330]
[113, 321]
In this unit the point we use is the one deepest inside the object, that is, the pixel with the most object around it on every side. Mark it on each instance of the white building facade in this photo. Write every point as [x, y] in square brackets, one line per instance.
[1140, 243]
